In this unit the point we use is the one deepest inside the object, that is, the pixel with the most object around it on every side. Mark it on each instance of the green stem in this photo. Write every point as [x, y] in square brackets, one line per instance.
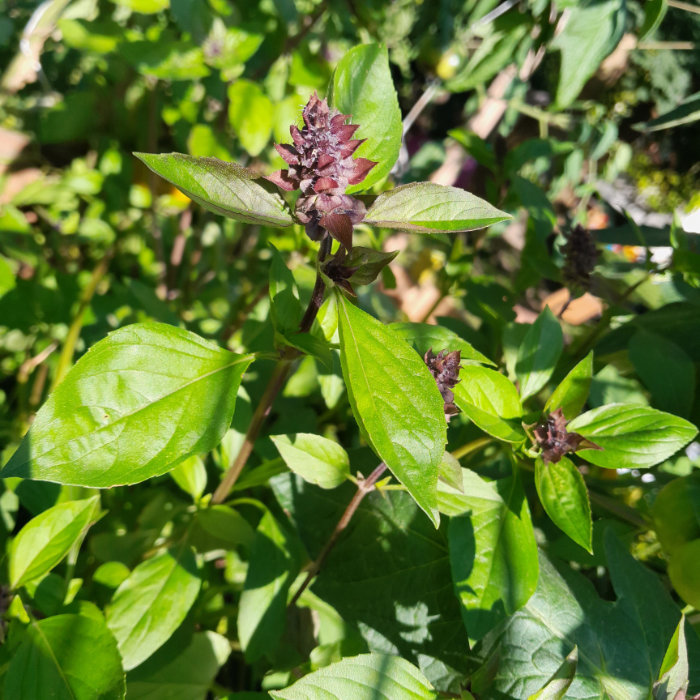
[68, 350]
[472, 446]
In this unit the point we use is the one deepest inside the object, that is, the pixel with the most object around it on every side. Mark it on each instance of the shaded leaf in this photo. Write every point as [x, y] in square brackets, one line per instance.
[538, 353]
[66, 657]
[572, 393]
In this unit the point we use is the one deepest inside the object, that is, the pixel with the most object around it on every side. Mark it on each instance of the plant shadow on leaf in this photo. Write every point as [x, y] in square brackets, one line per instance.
[389, 571]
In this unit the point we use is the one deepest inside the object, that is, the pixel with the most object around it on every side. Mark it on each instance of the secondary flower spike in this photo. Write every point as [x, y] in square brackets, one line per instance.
[551, 436]
[322, 167]
[445, 368]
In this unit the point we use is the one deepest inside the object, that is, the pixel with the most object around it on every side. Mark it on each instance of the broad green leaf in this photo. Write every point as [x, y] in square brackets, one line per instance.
[363, 677]
[591, 32]
[150, 605]
[389, 572]
[117, 417]
[564, 496]
[686, 113]
[491, 402]
[558, 684]
[620, 644]
[315, 459]
[676, 512]
[538, 353]
[363, 88]
[426, 207]
[684, 571]
[47, 538]
[493, 553]
[191, 476]
[426, 336]
[66, 657]
[275, 560]
[251, 114]
[228, 189]
[395, 401]
[631, 437]
[666, 371]
[673, 676]
[572, 393]
[180, 671]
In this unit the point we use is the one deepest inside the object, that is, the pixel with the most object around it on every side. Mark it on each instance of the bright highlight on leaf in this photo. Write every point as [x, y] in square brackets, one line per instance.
[116, 418]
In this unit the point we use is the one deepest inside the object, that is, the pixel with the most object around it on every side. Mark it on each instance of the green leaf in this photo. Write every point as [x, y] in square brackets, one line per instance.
[275, 560]
[395, 401]
[285, 307]
[47, 538]
[654, 12]
[220, 527]
[150, 605]
[572, 393]
[426, 336]
[676, 512]
[116, 417]
[491, 402]
[362, 87]
[315, 459]
[591, 33]
[66, 657]
[620, 645]
[673, 676]
[564, 496]
[363, 677]
[251, 114]
[558, 684]
[684, 572]
[180, 671]
[493, 553]
[666, 371]
[389, 573]
[632, 437]
[538, 353]
[224, 188]
[686, 113]
[426, 207]
[191, 476]
[147, 7]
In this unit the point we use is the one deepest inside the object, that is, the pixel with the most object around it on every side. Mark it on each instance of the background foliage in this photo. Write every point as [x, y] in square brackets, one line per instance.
[543, 579]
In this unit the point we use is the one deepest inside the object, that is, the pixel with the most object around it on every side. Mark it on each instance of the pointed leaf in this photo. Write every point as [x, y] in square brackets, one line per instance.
[116, 417]
[395, 401]
[224, 188]
[315, 459]
[564, 496]
[673, 676]
[362, 87]
[491, 401]
[66, 657]
[150, 605]
[426, 207]
[275, 560]
[558, 684]
[538, 353]
[47, 538]
[363, 677]
[572, 393]
[493, 553]
[632, 437]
